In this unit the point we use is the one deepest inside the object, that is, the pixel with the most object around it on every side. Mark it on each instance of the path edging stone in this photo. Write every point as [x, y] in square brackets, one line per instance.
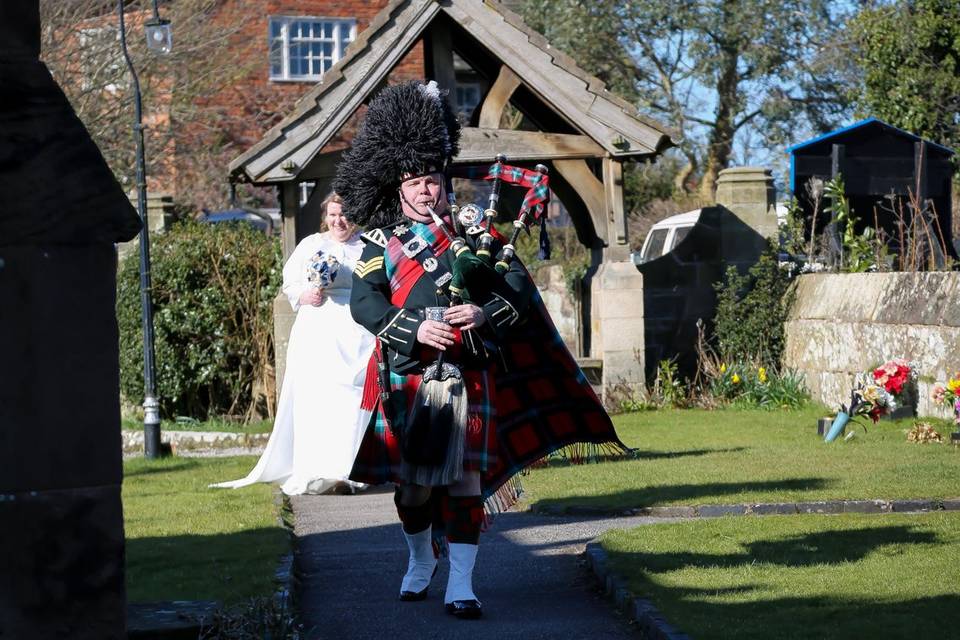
[640, 610]
[759, 509]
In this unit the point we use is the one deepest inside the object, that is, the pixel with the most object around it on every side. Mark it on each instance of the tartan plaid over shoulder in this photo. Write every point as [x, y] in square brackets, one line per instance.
[543, 401]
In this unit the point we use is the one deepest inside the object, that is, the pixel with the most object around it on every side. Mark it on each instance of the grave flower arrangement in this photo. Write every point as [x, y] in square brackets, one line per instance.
[322, 270]
[894, 376]
[875, 394]
[949, 395]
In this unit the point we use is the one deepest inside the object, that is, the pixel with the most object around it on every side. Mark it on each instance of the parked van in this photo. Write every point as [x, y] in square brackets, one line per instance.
[665, 235]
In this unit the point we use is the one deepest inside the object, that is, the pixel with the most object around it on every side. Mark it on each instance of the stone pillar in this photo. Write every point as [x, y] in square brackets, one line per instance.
[283, 317]
[160, 215]
[61, 522]
[616, 323]
[748, 193]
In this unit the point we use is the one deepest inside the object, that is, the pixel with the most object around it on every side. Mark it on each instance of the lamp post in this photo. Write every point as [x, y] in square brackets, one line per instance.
[159, 40]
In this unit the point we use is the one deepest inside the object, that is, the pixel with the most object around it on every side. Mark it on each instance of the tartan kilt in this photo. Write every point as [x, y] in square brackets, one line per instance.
[379, 461]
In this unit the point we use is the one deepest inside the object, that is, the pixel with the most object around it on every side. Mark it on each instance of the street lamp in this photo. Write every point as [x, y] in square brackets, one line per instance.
[158, 40]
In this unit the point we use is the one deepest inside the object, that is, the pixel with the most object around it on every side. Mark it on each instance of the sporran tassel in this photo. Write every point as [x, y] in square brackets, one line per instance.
[440, 405]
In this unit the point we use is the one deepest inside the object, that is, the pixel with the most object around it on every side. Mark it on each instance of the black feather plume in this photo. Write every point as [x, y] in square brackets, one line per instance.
[409, 128]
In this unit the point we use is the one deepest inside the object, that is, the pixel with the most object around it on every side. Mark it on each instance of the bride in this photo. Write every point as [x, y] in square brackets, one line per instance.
[319, 423]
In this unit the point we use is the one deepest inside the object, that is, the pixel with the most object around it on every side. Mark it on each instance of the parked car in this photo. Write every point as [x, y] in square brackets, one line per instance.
[665, 235]
[262, 220]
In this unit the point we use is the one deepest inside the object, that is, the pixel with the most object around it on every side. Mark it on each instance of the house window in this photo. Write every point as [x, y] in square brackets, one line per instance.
[306, 190]
[303, 48]
[468, 97]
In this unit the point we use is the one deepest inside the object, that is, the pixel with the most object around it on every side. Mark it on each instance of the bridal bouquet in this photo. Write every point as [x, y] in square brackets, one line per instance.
[322, 270]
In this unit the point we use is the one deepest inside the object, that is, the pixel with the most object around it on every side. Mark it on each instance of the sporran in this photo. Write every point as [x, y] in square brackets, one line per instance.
[432, 441]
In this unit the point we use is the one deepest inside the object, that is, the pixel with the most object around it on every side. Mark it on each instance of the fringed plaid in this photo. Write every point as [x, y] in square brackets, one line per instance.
[538, 185]
[544, 405]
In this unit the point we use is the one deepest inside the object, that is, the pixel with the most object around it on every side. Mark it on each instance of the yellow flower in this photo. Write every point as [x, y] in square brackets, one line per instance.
[953, 384]
[735, 379]
[762, 374]
[723, 368]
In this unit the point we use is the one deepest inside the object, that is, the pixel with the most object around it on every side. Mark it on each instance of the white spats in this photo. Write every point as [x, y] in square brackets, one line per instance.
[460, 582]
[421, 564]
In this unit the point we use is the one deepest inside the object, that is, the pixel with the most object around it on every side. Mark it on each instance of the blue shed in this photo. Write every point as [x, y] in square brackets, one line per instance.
[886, 171]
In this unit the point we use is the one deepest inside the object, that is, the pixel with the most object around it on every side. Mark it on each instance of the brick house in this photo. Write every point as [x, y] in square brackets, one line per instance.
[290, 45]
[283, 48]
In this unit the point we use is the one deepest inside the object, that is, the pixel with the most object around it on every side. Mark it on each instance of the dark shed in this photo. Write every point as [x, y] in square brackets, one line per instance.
[882, 167]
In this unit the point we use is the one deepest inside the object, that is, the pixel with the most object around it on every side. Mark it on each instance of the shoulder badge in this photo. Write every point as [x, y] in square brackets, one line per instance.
[376, 236]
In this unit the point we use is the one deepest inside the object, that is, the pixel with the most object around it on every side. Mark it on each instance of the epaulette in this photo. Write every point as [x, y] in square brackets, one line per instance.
[376, 236]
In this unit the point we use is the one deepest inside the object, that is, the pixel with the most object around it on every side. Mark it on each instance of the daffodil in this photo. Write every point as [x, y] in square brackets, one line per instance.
[723, 368]
[953, 384]
[762, 374]
[735, 379]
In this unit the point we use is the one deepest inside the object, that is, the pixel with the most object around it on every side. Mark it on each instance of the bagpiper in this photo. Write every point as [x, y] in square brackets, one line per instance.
[468, 386]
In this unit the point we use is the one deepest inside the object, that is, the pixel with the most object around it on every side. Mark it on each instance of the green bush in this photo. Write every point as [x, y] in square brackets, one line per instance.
[668, 387]
[213, 291]
[751, 310]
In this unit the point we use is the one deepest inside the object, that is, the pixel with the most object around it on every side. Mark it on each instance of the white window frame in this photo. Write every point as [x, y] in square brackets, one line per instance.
[464, 87]
[341, 27]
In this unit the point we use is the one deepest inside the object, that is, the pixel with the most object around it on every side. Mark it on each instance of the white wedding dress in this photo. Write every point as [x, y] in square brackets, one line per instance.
[319, 424]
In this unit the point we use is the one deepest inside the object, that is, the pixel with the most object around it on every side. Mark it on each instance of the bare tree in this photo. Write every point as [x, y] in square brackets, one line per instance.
[194, 122]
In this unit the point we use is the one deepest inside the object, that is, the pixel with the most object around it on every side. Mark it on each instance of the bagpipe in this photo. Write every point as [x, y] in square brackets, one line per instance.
[476, 275]
[434, 434]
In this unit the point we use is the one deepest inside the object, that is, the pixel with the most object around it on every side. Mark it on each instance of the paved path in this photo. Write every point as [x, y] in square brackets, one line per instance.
[351, 556]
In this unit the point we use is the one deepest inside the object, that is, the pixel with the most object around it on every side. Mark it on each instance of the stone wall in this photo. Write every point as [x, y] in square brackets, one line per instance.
[843, 324]
[562, 305]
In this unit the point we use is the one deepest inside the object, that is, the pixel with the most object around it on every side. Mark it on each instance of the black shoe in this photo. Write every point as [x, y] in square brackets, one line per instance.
[464, 609]
[414, 596]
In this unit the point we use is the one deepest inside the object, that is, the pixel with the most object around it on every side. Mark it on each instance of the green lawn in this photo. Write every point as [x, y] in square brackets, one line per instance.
[693, 457]
[188, 542]
[260, 426]
[793, 577]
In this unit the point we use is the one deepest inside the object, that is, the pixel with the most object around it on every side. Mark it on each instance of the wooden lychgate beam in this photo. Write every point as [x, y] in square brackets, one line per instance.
[478, 145]
[578, 174]
[497, 98]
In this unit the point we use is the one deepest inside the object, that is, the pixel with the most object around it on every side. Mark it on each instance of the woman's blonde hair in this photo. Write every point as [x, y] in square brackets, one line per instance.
[331, 197]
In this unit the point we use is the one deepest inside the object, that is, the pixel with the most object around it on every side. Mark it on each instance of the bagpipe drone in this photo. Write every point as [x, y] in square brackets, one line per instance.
[475, 275]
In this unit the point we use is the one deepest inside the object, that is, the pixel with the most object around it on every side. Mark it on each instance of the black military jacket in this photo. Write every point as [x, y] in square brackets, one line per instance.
[372, 306]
